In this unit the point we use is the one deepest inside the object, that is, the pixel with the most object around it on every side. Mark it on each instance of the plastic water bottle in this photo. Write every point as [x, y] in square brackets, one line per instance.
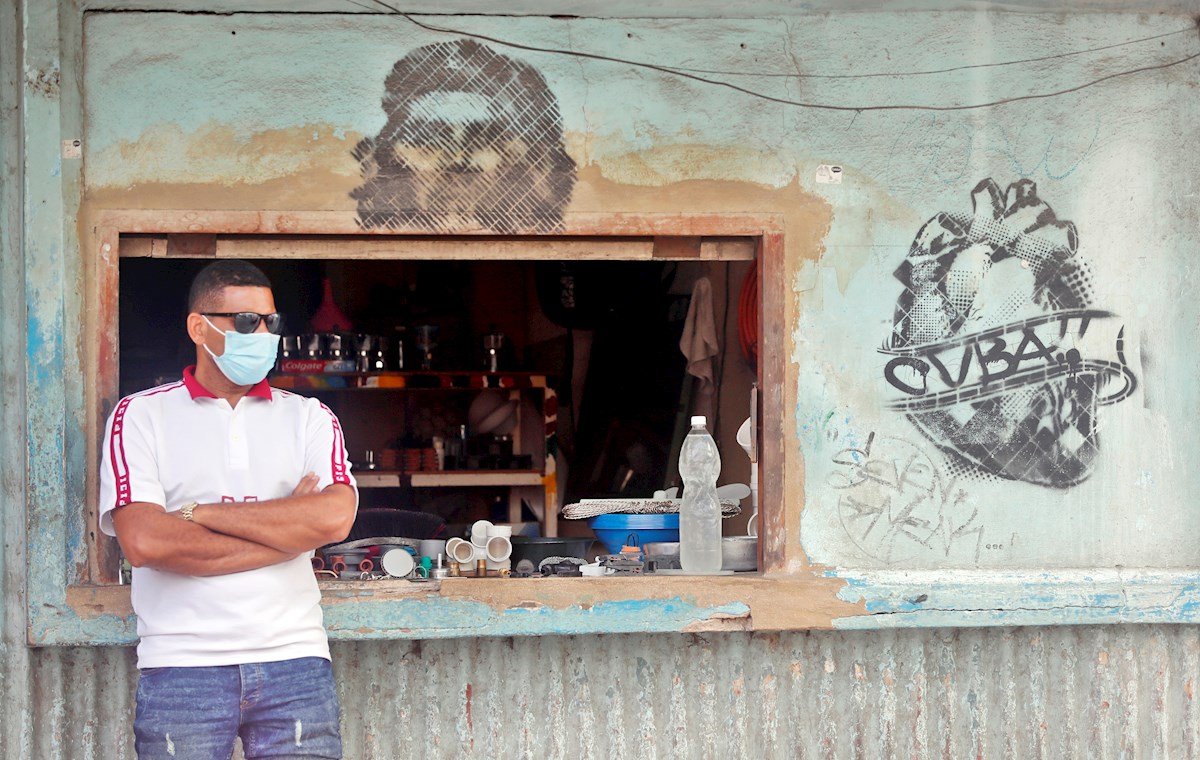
[700, 513]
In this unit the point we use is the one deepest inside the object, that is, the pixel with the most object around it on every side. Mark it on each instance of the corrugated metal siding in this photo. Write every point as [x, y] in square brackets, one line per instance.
[1097, 692]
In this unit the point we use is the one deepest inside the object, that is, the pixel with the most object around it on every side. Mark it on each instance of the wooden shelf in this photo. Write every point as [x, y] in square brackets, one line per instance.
[378, 478]
[448, 478]
[538, 488]
[332, 381]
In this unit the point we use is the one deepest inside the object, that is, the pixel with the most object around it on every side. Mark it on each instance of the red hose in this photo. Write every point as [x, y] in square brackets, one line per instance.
[748, 316]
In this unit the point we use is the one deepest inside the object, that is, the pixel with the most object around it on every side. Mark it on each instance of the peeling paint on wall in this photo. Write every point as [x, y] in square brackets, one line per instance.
[644, 139]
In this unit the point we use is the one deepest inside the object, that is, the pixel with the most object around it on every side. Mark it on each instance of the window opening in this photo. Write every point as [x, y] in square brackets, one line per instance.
[491, 389]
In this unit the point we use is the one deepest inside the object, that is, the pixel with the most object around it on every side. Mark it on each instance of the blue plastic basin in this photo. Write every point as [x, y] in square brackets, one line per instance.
[616, 530]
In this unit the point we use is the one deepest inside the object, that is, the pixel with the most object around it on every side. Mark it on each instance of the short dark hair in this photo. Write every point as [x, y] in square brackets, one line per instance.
[212, 279]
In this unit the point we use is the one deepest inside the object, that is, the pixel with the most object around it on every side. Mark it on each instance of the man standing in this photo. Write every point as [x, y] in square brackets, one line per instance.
[219, 488]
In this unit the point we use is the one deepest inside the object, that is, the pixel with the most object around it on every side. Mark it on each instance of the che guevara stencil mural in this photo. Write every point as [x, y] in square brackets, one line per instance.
[998, 353]
[473, 139]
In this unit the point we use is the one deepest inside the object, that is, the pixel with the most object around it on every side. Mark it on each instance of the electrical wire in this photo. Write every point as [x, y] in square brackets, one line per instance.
[772, 98]
[927, 72]
[874, 74]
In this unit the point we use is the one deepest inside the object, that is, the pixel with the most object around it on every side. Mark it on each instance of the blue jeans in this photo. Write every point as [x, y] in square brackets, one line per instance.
[284, 709]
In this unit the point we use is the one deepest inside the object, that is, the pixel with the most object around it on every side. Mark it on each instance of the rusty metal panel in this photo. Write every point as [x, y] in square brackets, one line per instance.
[1061, 692]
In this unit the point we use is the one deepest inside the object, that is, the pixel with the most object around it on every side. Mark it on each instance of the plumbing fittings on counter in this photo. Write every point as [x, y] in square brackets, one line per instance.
[490, 544]
[489, 553]
[486, 554]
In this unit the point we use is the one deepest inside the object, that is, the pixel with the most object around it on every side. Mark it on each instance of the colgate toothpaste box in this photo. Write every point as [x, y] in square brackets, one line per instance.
[315, 366]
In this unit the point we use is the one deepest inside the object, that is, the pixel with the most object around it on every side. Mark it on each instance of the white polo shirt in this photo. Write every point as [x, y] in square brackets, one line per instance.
[179, 443]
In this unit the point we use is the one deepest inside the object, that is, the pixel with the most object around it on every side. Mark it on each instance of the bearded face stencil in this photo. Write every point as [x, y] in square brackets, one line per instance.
[998, 352]
[473, 140]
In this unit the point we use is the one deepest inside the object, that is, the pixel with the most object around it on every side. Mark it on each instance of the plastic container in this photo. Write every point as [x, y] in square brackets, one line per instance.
[397, 563]
[432, 547]
[616, 530]
[662, 556]
[700, 512]
[537, 549]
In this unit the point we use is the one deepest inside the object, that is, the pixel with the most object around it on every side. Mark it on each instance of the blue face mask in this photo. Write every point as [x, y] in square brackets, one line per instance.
[247, 358]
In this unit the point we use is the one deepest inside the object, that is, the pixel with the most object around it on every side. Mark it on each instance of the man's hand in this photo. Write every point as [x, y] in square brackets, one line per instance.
[307, 485]
[152, 537]
[304, 521]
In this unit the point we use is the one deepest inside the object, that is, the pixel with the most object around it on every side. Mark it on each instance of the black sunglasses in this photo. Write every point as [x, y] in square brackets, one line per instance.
[246, 322]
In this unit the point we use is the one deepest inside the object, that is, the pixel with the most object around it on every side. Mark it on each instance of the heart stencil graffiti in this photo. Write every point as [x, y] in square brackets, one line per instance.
[997, 351]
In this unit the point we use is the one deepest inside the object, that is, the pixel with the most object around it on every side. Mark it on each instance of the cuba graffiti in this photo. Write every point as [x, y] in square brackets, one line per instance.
[998, 354]
[473, 139]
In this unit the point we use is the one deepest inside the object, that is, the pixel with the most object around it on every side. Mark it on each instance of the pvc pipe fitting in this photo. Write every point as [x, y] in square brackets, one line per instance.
[498, 549]
[500, 530]
[494, 551]
[752, 524]
[462, 552]
[479, 532]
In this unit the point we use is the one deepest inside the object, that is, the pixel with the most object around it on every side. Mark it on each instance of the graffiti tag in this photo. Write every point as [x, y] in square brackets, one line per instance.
[895, 503]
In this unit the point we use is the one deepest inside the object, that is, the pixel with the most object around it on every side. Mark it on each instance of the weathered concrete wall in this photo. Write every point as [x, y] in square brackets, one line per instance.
[1005, 396]
[172, 125]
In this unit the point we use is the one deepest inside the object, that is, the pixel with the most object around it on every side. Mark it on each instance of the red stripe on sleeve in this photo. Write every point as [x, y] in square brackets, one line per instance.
[337, 454]
[116, 443]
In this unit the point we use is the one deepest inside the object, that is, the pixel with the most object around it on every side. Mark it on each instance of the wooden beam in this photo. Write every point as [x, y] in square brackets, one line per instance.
[447, 248]
[728, 249]
[779, 517]
[199, 246]
[404, 247]
[144, 247]
[676, 247]
[229, 222]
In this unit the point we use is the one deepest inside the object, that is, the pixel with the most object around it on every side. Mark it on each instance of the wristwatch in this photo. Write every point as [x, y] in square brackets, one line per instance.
[186, 511]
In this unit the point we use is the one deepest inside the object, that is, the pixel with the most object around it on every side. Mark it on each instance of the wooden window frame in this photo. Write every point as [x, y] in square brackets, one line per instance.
[90, 589]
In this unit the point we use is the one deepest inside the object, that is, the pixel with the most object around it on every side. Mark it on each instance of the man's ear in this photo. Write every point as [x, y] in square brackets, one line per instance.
[196, 328]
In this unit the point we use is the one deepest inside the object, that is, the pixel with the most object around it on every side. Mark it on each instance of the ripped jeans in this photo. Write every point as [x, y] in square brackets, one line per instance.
[285, 709]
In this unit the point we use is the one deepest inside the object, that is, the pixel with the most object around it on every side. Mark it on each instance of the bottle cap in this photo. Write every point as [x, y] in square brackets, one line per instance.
[700, 420]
